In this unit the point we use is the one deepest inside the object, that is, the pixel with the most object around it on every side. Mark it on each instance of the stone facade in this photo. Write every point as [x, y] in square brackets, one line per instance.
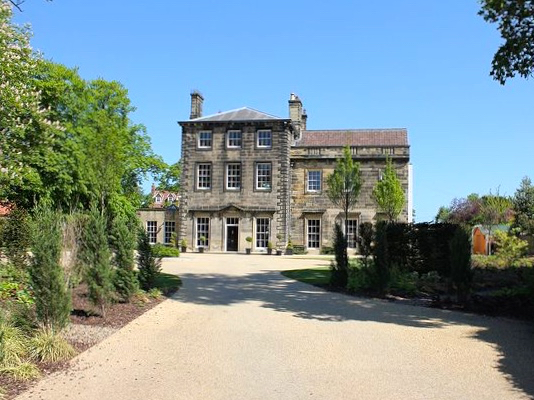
[247, 173]
[160, 222]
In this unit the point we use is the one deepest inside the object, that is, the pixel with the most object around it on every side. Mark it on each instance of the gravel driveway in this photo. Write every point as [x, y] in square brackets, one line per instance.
[239, 330]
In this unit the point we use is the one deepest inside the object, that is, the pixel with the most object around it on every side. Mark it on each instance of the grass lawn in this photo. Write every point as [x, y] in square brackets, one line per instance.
[168, 283]
[319, 276]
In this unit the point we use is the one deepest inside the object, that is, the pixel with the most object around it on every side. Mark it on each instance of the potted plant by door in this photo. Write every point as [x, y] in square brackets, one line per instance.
[249, 240]
[278, 249]
[289, 248]
[269, 247]
[183, 245]
[202, 243]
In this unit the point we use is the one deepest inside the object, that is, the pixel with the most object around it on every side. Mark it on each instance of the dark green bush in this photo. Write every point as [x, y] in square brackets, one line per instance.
[339, 275]
[299, 249]
[160, 250]
[123, 242]
[148, 265]
[327, 250]
[365, 241]
[381, 275]
[461, 274]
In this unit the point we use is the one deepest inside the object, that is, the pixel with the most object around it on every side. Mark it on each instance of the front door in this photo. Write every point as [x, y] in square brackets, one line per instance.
[231, 238]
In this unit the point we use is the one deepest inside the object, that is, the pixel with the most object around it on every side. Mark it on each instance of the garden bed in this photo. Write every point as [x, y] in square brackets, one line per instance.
[88, 327]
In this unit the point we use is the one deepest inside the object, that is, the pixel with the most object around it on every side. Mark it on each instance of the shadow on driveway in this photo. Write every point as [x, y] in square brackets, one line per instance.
[513, 339]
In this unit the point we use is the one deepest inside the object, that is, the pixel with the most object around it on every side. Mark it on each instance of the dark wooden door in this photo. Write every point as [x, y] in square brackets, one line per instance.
[231, 238]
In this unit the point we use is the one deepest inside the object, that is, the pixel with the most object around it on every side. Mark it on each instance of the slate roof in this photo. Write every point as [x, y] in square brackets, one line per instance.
[239, 114]
[354, 137]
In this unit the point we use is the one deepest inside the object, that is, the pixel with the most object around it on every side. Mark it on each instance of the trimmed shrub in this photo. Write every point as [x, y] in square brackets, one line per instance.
[365, 241]
[461, 274]
[160, 250]
[381, 276]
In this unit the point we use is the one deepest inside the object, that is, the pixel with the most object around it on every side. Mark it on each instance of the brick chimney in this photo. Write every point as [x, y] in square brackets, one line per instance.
[196, 104]
[304, 119]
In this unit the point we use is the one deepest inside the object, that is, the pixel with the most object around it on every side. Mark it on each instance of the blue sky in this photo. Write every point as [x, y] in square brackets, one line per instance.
[416, 64]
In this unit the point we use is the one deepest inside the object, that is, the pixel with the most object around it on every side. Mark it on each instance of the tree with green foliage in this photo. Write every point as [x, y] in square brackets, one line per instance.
[509, 247]
[123, 243]
[515, 19]
[16, 238]
[495, 210]
[523, 206]
[169, 179]
[460, 258]
[388, 193]
[340, 268]
[344, 184]
[149, 266]
[96, 257]
[52, 297]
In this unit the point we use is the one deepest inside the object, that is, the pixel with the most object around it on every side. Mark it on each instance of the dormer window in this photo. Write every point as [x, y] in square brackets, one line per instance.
[171, 198]
[158, 199]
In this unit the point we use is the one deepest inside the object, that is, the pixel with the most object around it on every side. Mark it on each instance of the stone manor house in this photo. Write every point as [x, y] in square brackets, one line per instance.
[246, 173]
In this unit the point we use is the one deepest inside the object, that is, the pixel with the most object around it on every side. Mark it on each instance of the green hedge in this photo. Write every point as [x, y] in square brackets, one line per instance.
[160, 250]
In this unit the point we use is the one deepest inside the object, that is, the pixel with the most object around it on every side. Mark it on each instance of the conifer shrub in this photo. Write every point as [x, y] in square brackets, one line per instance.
[148, 265]
[123, 242]
[339, 268]
[365, 241]
[52, 298]
[96, 257]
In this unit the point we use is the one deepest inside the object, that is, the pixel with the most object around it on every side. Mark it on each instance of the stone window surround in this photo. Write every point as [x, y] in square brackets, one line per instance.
[226, 176]
[152, 231]
[259, 133]
[262, 235]
[239, 138]
[202, 228]
[200, 140]
[169, 228]
[197, 176]
[316, 238]
[256, 187]
[307, 177]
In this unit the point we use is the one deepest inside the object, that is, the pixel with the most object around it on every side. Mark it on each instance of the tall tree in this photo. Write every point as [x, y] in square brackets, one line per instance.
[388, 192]
[523, 205]
[344, 184]
[515, 19]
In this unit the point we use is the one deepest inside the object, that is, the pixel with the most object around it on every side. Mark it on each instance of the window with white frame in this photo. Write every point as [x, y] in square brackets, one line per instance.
[170, 228]
[313, 230]
[152, 231]
[352, 233]
[203, 230]
[233, 139]
[204, 176]
[264, 138]
[233, 176]
[263, 176]
[158, 198]
[204, 140]
[262, 232]
[313, 181]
